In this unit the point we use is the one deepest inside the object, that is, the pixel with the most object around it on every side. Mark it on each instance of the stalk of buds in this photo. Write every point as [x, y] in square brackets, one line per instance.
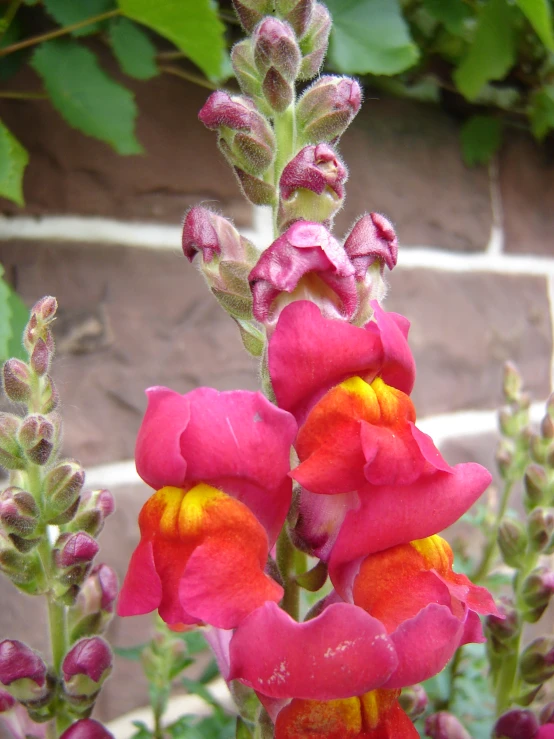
[44, 503]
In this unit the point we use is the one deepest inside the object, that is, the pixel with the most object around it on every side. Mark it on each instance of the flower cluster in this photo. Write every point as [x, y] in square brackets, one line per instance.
[329, 464]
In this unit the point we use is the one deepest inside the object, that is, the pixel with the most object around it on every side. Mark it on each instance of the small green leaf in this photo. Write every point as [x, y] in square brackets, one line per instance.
[539, 15]
[68, 12]
[180, 664]
[13, 160]
[481, 138]
[242, 731]
[452, 14]
[493, 51]
[192, 25]
[370, 37]
[19, 318]
[541, 111]
[194, 640]
[131, 653]
[85, 96]
[133, 49]
[5, 318]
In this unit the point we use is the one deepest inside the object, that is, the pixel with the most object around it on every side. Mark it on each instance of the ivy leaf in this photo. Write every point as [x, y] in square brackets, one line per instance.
[85, 96]
[6, 320]
[133, 49]
[541, 111]
[492, 53]
[13, 160]
[451, 14]
[481, 138]
[539, 15]
[192, 25]
[370, 37]
[68, 12]
[19, 318]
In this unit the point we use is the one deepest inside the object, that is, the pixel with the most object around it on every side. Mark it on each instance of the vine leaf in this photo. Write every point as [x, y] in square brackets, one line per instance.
[133, 49]
[481, 138]
[13, 160]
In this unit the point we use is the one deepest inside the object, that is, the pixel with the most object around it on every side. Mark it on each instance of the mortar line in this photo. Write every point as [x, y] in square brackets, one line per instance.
[550, 296]
[496, 240]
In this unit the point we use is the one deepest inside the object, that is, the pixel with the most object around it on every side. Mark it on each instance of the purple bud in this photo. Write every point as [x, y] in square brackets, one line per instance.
[414, 700]
[45, 309]
[372, 238]
[251, 12]
[94, 507]
[62, 486]
[277, 90]
[504, 628]
[18, 512]
[11, 456]
[41, 358]
[17, 381]
[23, 671]
[246, 72]
[75, 549]
[100, 589]
[327, 107]
[536, 591]
[305, 262]
[516, 724]
[247, 138]
[275, 47]
[313, 44]
[87, 728]
[50, 397]
[444, 725]
[296, 12]
[36, 437]
[540, 526]
[314, 168]
[258, 191]
[6, 701]
[213, 236]
[42, 314]
[86, 666]
[536, 663]
[512, 540]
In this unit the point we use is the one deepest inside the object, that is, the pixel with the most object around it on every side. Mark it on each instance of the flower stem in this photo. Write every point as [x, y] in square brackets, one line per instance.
[285, 135]
[286, 564]
[489, 552]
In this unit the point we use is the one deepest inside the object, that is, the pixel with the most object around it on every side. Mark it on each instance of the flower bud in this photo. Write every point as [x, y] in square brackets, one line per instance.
[444, 725]
[546, 715]
[313, 44]
[36, 436]
[504, 459]
[372, 239]
[19, 512]
[327, 107]
[536, 592]
[20, 565]
[62, 486]
[11, 454]
[536, 663]
[516, 724]
[95, 603]
[512, 540]
[23, 672]
[255, 189]
[73, 549]
[275, 45]
[6, 701]
[41, 358]
[414, 700]
[94, 507]
[245, 136]
[305, 262]
[540, 527]
[538, 447]
[509, 421]
[503, 630]
[512, 382]
[87, 728]
[85, 667]
[251, 12]
[38, 327]
[296, 12]
[312, 186]
[247, 74]
[547, 428]
[535, 483]
[17, 381]
[49, 397]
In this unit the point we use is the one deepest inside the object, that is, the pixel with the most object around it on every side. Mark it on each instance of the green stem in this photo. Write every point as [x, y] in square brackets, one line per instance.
[58, 32]
[286, 564]
[23, 95]
[183, 74]
[490, 550]
[8, 16]
[285, 135]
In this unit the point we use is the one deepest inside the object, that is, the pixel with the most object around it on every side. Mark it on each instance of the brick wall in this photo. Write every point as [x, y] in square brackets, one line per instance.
[475, 276]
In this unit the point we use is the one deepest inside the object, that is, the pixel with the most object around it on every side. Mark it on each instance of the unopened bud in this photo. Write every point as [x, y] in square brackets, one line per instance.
[535, 483]
[11, 454]
[277, 58]
[74, 549]
[49, 398]
[23, 568]
[313, 44]
[95, 603]
[38, 327]
[444, 725]
[251, 12]
[314, 579]
[516, 724]
[546, 715]
[312, 186]
[255, 189]
[62, 486]
[247, 74]
[414, 701]
[508, 421]
[502, 631]
[536, 592]
[372, 239]
[7, 701]
[41, 358]
[85, 667]
[18, 512]
[327, 107]
[536, 664]
[540, 527]
[246, 137]
[36, 436]
[538, 447]
[94, 507]
[87, 728]
[23, 672]
[296, 12]
[512, 382]
[512, 540]
[17, 381]
[547, 428]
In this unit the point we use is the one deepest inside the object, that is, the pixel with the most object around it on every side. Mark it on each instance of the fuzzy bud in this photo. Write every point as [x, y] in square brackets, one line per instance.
[94, 507]
[62, 486]
[444, 725]
[251, 12]
[95, 603]
[413, 701]
[17, 381]
[313, 44]
[277, 58]
[516, 724]
[535, 483]
[49, 397]
[247, 74]
[7, 702]
[87, 728]
[23, 672]
[38, 327]
[85, 667]
[540, 527]
[327, 108]
[36, 436]
[536, 664]
[75, 549]
[19, 512]
[296, 12]
[502, 630]
[512, 540]
[512, 382]
[41, 358]
[245, 136]
[19, 564]
[312, 186]
[255, 189]
[372, 239]
[536, 592]
[11, 454]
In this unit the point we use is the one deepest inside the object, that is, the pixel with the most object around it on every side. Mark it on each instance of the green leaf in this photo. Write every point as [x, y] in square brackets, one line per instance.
[6, 318]
[85, 96]
[539, 15]
[133, 49]
[68, 12]
[481, 138]
[541, 111]
[492, 53]
[452, 14]
[242, 730]
[210, 673]
[13, 160]
[180, 664]
[192, 25]
[131, 653]
[19, 318]
[370, 37]
[194, 640]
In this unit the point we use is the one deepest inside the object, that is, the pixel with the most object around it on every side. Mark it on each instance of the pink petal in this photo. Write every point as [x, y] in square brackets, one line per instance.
[473, 630]
[141, 591]
[320, 518]
[342, 652]
[399, 365]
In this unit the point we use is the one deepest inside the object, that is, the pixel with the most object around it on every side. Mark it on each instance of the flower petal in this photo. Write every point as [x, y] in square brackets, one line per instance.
[141, 591]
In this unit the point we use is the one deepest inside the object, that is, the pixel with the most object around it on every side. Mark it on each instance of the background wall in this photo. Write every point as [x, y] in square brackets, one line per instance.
[475, 276]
